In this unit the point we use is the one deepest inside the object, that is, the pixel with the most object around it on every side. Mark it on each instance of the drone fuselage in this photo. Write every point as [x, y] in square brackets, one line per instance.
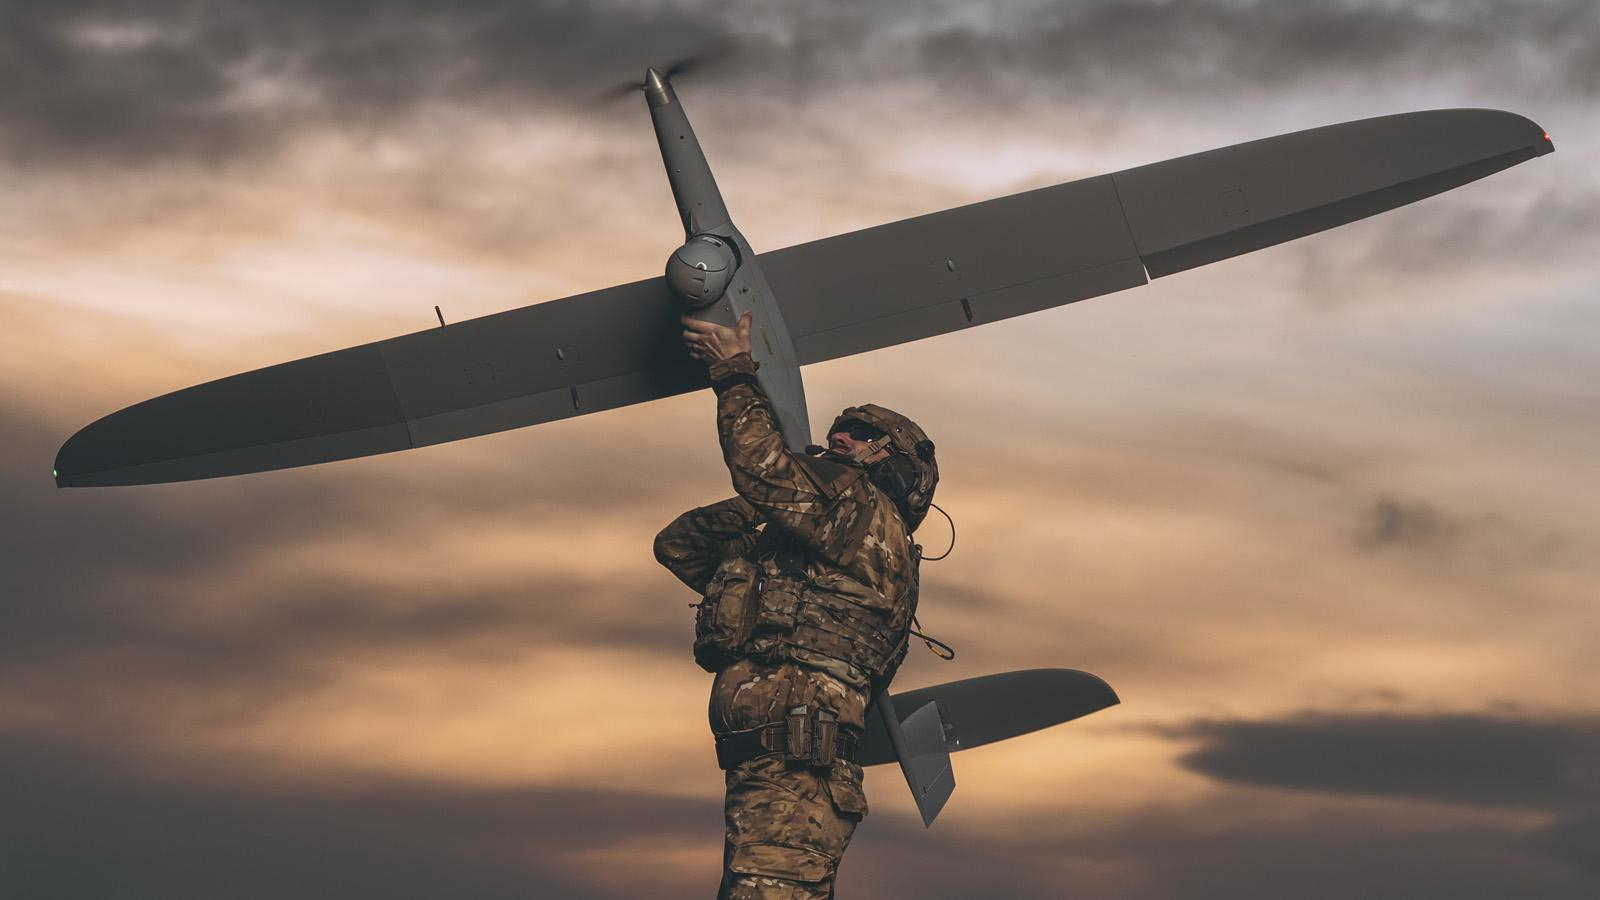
[711, 241]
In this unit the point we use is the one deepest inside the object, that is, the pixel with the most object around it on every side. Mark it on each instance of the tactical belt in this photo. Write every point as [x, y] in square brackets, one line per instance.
[805, 737]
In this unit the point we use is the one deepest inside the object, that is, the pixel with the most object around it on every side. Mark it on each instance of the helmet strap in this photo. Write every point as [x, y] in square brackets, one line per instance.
[877, 444]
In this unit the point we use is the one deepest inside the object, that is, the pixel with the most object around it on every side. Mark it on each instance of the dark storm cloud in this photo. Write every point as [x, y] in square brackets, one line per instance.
[99, 825]
[220, 81]
[1487, 761]
[1203, 46]
[214, 81]
[1574, 840]
[1317, 852]
[1483, 760]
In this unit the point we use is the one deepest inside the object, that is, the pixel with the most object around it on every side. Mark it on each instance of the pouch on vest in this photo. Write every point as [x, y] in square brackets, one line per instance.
[779, 601]
[724, 618]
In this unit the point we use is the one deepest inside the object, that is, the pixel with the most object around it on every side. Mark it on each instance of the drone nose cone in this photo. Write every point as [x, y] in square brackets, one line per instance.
[657, 89]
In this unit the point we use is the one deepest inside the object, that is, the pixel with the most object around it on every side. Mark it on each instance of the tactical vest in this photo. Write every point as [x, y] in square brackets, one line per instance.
[780, 607]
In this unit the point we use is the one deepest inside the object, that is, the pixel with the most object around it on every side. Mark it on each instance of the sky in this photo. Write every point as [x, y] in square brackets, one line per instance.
[1324, 516]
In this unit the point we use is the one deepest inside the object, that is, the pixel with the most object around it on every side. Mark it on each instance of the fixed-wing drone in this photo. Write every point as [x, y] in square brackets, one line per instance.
[816, 301]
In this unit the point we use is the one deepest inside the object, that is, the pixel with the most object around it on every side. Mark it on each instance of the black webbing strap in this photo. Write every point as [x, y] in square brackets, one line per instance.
[740, 746]
[727, 382]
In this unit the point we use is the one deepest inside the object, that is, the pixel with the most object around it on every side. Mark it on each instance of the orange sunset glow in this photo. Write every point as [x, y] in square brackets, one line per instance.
[1325, 515]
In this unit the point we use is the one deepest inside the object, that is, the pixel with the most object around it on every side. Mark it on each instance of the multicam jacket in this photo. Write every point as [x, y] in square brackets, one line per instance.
[809, 563]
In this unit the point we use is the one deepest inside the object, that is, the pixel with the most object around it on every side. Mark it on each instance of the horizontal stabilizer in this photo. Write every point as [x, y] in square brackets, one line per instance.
[989, 708]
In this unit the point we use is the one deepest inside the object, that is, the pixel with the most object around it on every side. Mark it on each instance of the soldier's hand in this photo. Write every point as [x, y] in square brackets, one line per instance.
[710, 342]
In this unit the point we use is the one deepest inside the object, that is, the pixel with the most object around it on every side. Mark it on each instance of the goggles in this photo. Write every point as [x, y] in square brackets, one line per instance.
[857, 429]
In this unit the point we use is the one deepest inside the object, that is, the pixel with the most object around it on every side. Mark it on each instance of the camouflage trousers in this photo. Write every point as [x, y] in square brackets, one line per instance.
[787, 827]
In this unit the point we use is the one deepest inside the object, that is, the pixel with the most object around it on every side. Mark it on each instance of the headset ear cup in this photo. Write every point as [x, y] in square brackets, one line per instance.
[898, 477]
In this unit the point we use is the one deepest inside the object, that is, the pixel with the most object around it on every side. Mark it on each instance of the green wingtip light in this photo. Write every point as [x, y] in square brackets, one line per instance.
[54, 474]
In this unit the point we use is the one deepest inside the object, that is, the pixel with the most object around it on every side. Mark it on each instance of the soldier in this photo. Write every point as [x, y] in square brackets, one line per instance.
[809, 577]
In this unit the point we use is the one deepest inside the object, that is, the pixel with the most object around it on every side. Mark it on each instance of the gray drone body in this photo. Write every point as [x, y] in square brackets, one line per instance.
[821, 300]
[715, 273]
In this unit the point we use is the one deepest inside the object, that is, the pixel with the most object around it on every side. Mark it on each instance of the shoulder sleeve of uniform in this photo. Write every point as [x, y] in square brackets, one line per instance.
[818, 501]
[831, 478]
[695, 543]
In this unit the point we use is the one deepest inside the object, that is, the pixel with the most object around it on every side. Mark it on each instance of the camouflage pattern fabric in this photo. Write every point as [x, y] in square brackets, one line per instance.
[697, 542]
[787, 825]
[861, 565]
[828, 505]
[749, 693]
[786, 832]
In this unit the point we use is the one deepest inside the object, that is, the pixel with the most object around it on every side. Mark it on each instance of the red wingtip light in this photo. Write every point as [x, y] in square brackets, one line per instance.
[1547, 135]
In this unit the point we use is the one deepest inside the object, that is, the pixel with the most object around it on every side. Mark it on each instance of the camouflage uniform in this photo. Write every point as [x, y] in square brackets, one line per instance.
[843, 635]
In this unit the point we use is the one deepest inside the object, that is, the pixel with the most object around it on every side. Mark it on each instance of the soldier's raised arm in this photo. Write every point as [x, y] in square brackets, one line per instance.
[695, 543]
[818, 501]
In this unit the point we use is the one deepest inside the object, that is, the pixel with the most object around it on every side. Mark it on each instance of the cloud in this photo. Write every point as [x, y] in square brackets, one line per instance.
[454, 613]
[100, 821]
[249, 593]
[1204, 47]
[99, 824]
[1475, 759]
[1417, 526]
[223, 82]
[1487, 761]
[1445, 247]
[1574, 840]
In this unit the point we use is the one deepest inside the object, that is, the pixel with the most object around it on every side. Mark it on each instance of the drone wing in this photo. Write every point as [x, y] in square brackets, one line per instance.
[563, 358]
[841, 295]
[1000, 258]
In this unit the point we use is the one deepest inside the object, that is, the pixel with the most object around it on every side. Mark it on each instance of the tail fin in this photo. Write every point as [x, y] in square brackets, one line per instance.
[927, 763]
[922, 727]
[918, 743]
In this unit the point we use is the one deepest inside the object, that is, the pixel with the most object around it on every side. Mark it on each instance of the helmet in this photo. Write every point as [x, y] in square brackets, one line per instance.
[909, 473]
